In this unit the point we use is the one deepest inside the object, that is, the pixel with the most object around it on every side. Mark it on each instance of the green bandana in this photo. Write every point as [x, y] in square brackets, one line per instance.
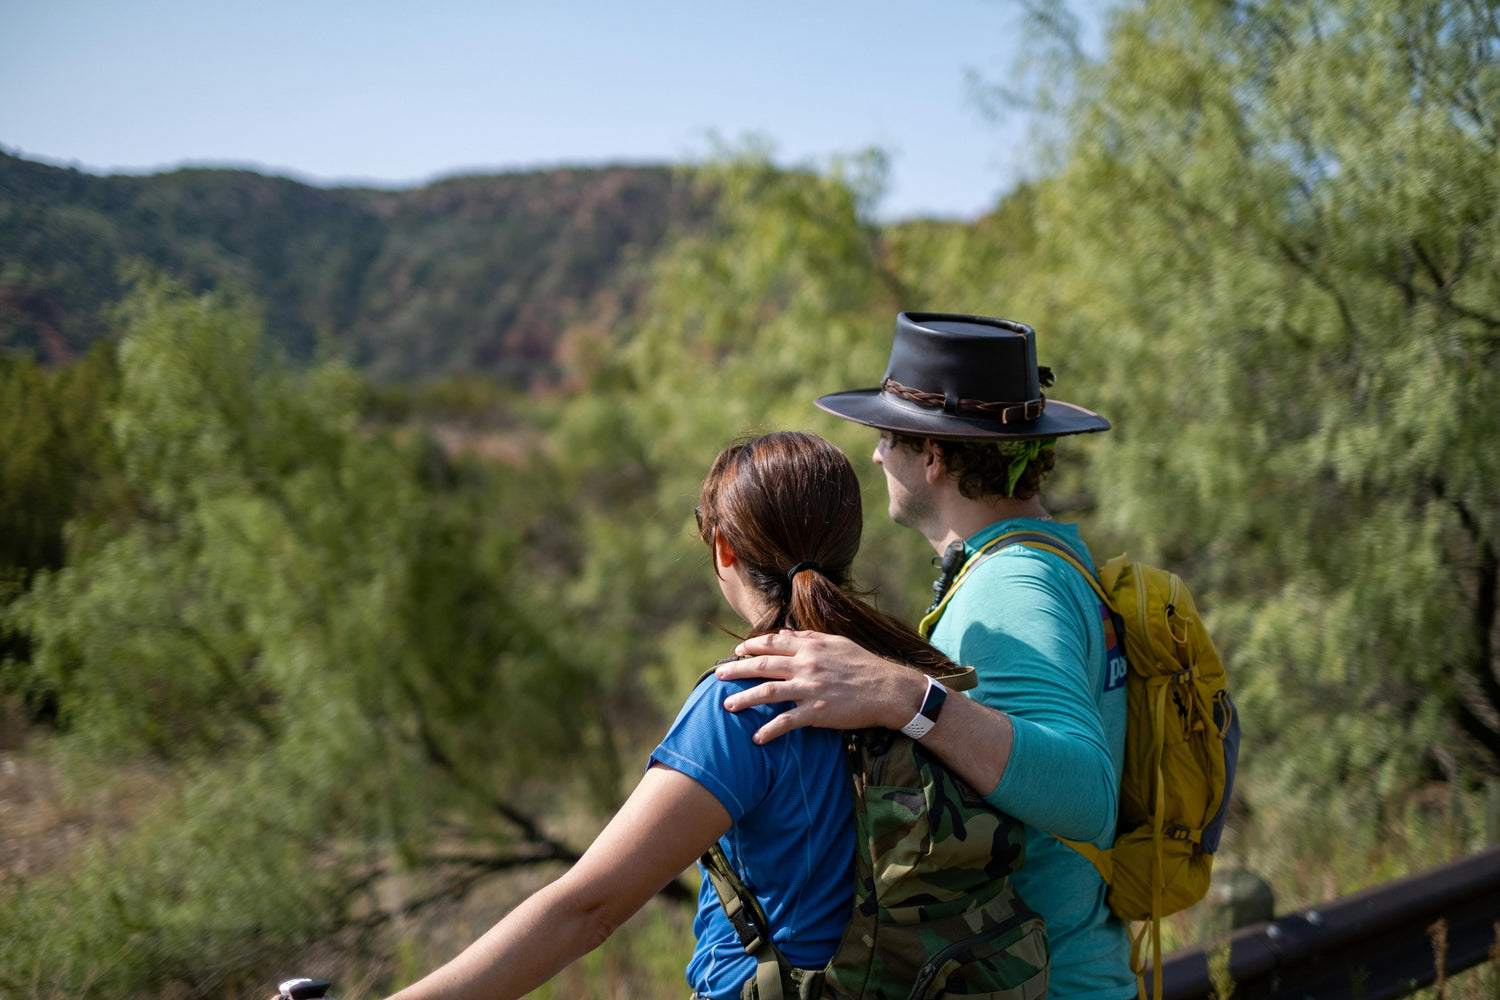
[1021, 453]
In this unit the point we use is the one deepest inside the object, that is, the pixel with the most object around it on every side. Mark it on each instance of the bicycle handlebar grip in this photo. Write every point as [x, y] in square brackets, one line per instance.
[303, 989]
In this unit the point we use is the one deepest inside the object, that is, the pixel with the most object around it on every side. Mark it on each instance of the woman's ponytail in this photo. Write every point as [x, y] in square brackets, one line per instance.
[789, 504]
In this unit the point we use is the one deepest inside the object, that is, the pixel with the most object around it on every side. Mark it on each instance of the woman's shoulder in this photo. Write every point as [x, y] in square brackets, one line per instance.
[704, 709]
[710, 690]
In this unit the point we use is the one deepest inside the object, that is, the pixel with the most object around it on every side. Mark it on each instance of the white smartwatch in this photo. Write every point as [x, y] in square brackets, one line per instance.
[932, 705]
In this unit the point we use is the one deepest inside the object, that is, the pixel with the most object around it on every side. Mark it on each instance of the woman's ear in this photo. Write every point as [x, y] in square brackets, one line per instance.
[723, 552]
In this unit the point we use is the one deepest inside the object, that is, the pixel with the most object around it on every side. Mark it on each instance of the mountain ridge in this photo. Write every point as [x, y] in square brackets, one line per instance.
[467, 274]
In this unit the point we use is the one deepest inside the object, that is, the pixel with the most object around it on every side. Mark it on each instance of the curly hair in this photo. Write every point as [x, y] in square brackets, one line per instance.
[985, 468]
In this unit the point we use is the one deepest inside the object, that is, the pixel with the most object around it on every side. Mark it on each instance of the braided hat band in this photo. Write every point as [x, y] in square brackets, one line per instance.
[955, 377]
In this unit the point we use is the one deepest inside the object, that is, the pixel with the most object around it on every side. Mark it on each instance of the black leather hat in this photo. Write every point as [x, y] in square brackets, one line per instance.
[963, 377]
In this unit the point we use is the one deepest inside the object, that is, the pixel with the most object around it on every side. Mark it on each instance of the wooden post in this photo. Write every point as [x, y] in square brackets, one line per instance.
[1237, 898]
[1492, 812]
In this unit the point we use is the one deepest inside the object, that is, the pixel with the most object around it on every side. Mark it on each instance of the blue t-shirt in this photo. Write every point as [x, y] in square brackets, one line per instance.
[792, 837]
[1045, 653]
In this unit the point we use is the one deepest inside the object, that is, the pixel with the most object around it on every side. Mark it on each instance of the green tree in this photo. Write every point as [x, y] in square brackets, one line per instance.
[786, 296]
[57, 466]
[325, 641]
[55, 455]
[1276, 241]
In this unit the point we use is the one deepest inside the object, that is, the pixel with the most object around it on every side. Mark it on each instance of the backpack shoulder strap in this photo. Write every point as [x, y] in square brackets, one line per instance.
[930, 619]
[1031, 539]
[772, 971]
[1049, 543]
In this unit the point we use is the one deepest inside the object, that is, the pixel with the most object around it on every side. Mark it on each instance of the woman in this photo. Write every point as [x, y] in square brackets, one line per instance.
[781, 516]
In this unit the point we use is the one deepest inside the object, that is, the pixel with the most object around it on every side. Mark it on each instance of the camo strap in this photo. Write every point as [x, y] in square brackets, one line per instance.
[773, 979]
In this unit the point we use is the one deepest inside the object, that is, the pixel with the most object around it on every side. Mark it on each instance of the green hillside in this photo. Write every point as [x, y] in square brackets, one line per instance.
[470, 274]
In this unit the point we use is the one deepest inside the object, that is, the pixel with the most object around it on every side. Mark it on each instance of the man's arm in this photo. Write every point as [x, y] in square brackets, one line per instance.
[1026, 630]
[837, 684]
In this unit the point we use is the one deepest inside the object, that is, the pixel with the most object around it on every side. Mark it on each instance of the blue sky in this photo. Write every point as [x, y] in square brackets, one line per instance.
[397, 94]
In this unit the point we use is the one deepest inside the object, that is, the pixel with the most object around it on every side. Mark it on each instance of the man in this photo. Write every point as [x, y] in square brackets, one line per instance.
[966, 440]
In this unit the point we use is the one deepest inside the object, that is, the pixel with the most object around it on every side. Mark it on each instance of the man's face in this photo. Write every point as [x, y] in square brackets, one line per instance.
[905, 481]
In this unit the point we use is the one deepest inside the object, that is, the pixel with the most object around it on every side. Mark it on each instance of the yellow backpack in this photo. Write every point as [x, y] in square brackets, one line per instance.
[1181, 744]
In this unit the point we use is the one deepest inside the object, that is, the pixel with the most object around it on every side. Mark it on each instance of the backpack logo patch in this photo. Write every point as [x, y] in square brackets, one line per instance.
[1116, 668]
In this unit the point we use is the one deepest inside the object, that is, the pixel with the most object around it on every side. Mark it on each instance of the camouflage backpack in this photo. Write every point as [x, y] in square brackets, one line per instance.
[934, 911]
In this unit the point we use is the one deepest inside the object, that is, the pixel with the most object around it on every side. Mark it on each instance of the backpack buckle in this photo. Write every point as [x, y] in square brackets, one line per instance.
[746, 928]
[1177, 833]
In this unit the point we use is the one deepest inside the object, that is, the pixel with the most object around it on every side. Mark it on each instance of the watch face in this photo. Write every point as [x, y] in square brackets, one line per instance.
[932, 704]
[927, 715]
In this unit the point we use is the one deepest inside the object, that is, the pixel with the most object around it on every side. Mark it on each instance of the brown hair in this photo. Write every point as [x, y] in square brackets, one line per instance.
[982, 468]
[790, 498]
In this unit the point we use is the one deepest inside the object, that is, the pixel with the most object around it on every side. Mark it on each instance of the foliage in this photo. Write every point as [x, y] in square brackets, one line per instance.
[1279, 225]
[55, 455]
[313, 636]
[746, 324]
[57, 465]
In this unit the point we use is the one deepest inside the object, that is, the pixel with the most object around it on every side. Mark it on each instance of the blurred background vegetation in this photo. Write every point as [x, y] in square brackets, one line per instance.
[346, 562]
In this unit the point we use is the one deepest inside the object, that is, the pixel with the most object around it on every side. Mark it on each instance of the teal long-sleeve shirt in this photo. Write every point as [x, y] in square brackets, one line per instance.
[1046, 655]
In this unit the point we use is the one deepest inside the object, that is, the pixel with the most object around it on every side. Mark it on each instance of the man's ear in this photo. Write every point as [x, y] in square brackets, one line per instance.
[934, 468]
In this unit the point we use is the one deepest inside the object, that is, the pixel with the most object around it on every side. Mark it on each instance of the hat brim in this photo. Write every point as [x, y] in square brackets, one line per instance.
[875, 408]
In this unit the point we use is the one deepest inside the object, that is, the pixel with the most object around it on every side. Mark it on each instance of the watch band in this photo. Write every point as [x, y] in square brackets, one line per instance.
[932, 706]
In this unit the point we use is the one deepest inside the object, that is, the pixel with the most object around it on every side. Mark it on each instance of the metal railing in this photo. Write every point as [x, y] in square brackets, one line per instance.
[1381, 942]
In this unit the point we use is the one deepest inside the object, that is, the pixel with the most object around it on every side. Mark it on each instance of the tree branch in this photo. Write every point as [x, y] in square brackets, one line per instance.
[1478, 731]
[249, 704]
[549, 848]
[1440, 294]
[1433, 271]
[1485, 612]
[476, 868]
[1299, 261]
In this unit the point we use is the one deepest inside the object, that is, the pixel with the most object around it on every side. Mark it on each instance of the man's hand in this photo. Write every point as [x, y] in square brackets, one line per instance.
[840, 685]
[835, 683]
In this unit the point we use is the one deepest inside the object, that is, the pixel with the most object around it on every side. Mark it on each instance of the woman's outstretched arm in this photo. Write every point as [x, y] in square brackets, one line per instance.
[668, 821]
